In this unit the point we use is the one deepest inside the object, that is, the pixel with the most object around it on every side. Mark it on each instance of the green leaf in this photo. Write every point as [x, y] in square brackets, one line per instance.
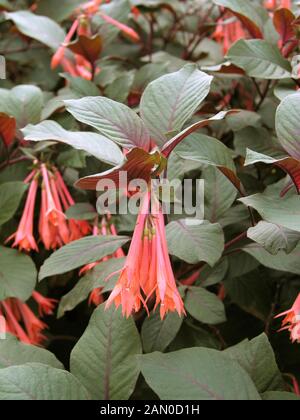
[191, 335]
[147, 74]
[81, 211]
[237, 267]
[14, 172]
[81, 87]
[171, 100]
[288, 125]
[17, 274]
[280, 396]
[251, 292]
[71, 158]
[78, 294]
[37, 27]
[258, 359]
[259, 59]
[114, 120]
[282, 211]
[197, 374]
[284, 88]
[93, 279]
[253, 157]
[120, 88]
[174, 141]
[35, 381]
[11, 194]
[211, 276]
[257, 139]
[104, 359]
[288, 164]
[57, 10]
[243, 119]
[79, 253]
[220, 194]
[13, 352]
[289, 263]
[193, 241]
[209, 151]
[177, 167]
[93, 143]
[235, 214]
[157, 334]
[24, 102]
[204, 306]
[274, 238]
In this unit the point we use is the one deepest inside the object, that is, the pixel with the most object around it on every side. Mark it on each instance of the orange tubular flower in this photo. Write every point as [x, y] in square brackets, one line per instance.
[23, 238]
[46, 305]
[75, 64]
[78, 66]
[83, 67]
[147, 270]
[291, 321]
[53, 212]
[52, 226]
[60, 53]
[54, 229]
[21, 321]
[124, 28]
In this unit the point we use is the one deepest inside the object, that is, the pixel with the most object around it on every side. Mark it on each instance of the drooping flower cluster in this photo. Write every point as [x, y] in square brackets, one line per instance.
[107, 228]
[77, 64]
[74, 64]
[147, 272]
[22, 322]
[54, 229]
[291, 321]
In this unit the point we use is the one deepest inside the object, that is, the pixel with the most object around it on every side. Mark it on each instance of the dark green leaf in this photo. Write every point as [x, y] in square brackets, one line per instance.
[104, 359]
[114, 120]
[193, 241]
[93, 143]
[37, 27]
[17, 274]
[258, 359]
[11, 194]
[204, 306]
[197, 374]
[35, 381]
[157, 334]
[259, 59]
[80, 252]
[171, 100]
[13, 352]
